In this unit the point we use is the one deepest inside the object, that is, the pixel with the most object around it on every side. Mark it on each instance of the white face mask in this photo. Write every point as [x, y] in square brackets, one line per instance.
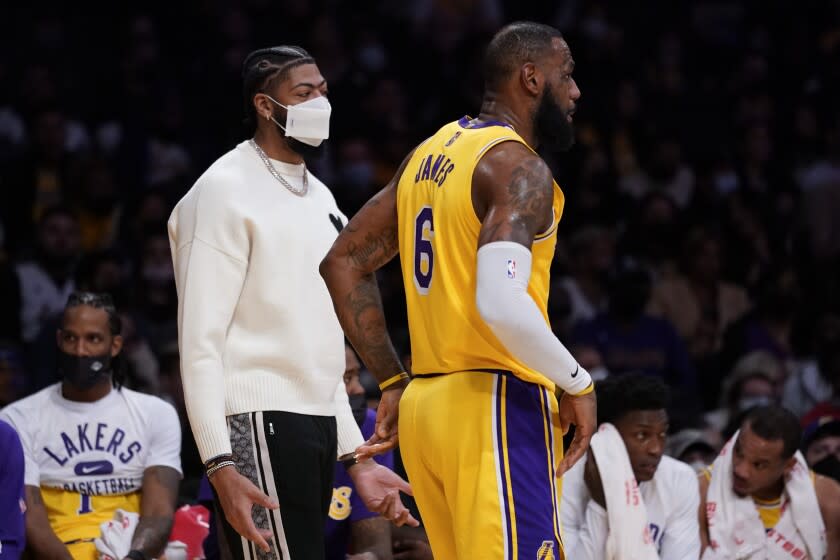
[308, 122]
[698, 466]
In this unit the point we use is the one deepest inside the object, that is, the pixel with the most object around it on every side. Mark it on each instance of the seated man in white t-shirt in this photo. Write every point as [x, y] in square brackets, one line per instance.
[635, 405]
[92, 447]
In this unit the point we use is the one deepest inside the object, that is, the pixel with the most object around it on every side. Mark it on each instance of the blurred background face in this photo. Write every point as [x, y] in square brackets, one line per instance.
[50, 134]
[59, 238]
[757, 463]
[644, 433]
[158, 275]
[704, 260]
[351, 373]
[827, 446]
[755, 391]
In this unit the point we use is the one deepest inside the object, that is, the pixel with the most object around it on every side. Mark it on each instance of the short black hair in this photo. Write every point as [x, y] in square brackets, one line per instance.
[514, 45]
[106, 303]
[266, 67]
[620, 394]
[773, 422]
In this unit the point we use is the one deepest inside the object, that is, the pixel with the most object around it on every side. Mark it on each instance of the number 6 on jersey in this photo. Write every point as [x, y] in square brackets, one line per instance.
[424, 262]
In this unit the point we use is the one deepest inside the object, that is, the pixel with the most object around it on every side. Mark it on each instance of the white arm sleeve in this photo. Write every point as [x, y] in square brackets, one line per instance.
[504, 269]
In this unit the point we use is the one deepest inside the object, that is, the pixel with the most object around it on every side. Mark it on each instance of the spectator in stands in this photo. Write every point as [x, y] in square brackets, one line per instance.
[47, 280]
[98, 205]
[629, 340]
[812, 381]
[12, 373]
[821, 445]
[92, 446]
[9, 293]
[591, 252]
[157, 299]
[696, 300]
[696, 448]
[754, 381]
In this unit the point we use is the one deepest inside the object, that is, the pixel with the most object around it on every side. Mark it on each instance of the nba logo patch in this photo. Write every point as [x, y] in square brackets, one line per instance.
[511, 269]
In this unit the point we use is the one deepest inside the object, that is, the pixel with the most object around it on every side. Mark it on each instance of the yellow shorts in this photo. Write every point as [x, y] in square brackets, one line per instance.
[482, 451]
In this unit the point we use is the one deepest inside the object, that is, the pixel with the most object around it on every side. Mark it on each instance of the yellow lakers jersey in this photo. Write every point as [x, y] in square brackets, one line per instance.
[75, 518]
[438, 237]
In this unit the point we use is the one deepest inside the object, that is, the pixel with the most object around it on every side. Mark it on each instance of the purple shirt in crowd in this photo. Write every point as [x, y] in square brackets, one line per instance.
[347, 506]
[12, 526]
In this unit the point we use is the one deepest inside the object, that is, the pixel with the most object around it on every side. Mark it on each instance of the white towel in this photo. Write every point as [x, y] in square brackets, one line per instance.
[115, 541]
[629, 537]
[735, 527]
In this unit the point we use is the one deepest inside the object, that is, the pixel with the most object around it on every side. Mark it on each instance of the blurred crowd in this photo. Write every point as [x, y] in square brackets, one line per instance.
[699, 241]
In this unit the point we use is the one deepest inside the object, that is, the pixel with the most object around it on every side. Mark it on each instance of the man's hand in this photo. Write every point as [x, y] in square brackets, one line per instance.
[362, 556]
[592, 478]
[385, 435]
[582, 412]
[379, 489]
[238, 496]
[412, 549]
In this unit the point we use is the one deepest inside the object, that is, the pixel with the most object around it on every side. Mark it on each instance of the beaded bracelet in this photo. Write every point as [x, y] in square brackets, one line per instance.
[219, 466]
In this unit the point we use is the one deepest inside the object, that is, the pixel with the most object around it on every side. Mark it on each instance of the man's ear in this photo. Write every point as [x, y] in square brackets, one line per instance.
[116, 345]
[532, 78]
[262, 105]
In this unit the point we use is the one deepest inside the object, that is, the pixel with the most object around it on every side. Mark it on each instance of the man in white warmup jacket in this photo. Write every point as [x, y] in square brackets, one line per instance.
[262, 352]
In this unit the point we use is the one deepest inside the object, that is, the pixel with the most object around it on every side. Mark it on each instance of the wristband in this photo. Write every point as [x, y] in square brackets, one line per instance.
[589, 389]
[348, 460]
[391, 380]
[210, 463]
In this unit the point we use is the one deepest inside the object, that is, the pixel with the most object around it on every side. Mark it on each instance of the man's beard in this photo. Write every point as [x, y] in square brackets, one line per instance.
[553, 131]
[307, 152]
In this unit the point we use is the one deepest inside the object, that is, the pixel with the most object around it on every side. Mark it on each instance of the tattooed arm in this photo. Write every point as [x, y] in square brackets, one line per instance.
[157, 508]
[513, 194]
[40, 538]
[367, 243]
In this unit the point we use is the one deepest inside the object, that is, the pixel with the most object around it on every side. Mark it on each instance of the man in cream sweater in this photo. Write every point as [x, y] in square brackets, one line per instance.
[262, 352]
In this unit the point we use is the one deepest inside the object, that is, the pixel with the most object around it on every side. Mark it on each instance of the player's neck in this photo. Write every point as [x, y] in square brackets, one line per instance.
[770, 493]
[274, 145]
[494, 109]
[93, 394]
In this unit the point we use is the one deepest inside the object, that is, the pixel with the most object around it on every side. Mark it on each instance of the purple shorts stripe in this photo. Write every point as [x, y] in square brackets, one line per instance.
[533, 486]
[552, 470]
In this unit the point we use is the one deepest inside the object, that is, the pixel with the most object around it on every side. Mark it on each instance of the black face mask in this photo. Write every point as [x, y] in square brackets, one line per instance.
[829, 466]
[84, 372]
[554, 132]
[358, 404]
